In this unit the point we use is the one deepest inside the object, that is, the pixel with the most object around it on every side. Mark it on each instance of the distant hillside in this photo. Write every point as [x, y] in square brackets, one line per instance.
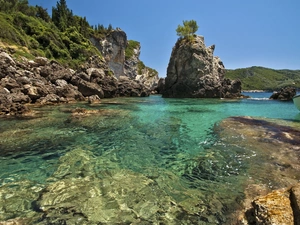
[260, 78]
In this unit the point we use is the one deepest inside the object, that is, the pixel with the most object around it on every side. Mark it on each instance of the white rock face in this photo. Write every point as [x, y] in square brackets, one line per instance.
[113, 49]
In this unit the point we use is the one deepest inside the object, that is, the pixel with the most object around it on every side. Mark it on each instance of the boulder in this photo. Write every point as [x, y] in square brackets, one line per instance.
[50, 99]
[87, 88]
[94, 99]
[131, 88]
[274, 208]
[285, 94]
[194, 72]
[277, 207]
[41, 61]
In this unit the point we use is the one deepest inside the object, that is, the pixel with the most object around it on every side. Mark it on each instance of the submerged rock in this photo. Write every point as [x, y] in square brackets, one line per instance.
[194, 72]
[272, 192]
[83, 190]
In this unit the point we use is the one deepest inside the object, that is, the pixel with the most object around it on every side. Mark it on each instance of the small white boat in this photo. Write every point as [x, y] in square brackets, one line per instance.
[296, 100]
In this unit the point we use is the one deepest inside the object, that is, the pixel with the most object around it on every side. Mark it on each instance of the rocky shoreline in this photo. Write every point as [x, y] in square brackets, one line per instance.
[42, 81]
[275, 199]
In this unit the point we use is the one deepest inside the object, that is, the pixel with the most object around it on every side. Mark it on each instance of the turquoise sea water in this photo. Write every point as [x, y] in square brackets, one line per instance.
[170, 142]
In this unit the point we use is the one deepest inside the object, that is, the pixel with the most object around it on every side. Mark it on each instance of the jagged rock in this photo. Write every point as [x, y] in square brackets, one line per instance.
[8, 107]
[136, 70]
[285, 94]
[113, 48]
[55, 71]
[5, 57]
[194, 72]
[96, 70]
[160, 86]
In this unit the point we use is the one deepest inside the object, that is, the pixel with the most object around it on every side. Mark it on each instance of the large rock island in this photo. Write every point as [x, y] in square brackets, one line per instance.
[194, 72]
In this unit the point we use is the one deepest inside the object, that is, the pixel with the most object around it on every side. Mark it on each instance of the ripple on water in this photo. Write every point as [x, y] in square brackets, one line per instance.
[147, 160]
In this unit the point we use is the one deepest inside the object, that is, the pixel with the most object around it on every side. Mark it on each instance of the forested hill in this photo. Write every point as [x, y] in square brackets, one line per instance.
[260, 78]
[30, 31]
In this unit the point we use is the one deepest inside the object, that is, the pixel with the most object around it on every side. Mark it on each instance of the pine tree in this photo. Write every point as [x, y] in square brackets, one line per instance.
[188, 29]
[42, 13]
[61, 15]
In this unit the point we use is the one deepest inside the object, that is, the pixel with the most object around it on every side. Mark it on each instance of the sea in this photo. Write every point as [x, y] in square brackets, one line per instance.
[149, 160]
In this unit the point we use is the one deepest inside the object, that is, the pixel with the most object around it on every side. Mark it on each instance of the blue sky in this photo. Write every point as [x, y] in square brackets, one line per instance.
[246, 33]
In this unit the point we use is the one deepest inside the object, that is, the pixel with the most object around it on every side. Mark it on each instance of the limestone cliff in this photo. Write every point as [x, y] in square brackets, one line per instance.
[194, 72]
[115, 47]
[112, 47]
[135, 68]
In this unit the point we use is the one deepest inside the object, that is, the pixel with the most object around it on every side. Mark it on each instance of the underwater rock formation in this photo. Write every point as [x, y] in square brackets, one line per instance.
[275, 149]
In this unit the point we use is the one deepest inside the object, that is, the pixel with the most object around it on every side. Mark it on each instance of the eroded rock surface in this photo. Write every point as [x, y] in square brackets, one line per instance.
[113, 48]
[194, 72]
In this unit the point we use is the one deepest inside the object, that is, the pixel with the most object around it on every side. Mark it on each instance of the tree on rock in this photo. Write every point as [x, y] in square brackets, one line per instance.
[188, 29]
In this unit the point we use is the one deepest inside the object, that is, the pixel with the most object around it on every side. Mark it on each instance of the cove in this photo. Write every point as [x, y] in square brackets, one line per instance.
[144, 160]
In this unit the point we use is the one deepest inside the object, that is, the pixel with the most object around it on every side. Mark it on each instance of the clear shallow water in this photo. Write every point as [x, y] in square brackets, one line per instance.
[171, 143]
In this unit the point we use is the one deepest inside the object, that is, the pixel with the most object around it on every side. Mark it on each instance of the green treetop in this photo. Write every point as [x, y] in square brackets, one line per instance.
[188, 29]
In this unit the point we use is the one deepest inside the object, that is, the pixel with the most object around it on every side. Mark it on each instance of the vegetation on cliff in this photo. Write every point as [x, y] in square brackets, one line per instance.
[260, 78]
[30, 31]
[129, 53]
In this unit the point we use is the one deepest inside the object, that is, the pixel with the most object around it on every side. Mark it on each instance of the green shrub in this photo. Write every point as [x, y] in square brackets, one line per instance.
[140, 67]
[33, 43]
[8, 32]
[129, 51]
[58, 52]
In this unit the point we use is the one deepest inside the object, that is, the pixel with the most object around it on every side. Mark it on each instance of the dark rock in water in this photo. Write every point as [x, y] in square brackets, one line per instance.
[193, 72]
[285, 94]
[160, 86]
